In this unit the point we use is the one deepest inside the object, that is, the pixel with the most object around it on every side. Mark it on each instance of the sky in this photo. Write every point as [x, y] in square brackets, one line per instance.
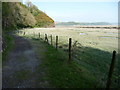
[80, 11]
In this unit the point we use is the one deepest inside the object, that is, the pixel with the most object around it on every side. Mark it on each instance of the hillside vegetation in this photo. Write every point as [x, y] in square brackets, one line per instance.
[18, 15]
[42, 19]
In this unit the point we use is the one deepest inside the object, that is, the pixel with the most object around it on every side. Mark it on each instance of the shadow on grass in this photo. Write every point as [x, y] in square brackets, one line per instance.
[89, 68]
[98, 63]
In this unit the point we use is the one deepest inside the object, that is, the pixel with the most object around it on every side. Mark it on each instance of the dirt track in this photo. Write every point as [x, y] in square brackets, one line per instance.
[19, 70]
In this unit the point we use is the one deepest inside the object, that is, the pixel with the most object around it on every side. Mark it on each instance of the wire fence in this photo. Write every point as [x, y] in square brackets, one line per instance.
[70, 46]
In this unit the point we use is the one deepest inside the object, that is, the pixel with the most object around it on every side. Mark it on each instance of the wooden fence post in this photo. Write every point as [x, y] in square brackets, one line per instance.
[70, 43]
[46, 39]
[39, 35]
[56, 42]
[111, 71]
[51, 39]
[24, 33]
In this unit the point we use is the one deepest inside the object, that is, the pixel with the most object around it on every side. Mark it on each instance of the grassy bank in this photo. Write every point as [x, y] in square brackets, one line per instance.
[65, 75]
[90, 71]
[89, 66]
[59, 72]
[8, 45]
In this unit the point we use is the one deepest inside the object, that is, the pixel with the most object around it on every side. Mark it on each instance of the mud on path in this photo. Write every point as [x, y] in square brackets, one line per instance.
[20, 68]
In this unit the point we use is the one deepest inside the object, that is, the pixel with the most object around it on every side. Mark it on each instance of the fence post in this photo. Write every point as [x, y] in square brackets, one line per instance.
[46, 39]
[24, 33]
[111, 71]
[39, 35]
[56, 42]
[51, 39]
[70, 43]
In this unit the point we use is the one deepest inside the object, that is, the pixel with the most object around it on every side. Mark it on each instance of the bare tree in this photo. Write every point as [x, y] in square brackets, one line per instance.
[29, 3]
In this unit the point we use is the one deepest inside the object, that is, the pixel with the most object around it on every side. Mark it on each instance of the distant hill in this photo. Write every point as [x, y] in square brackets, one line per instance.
[18, 15]
[79, 23]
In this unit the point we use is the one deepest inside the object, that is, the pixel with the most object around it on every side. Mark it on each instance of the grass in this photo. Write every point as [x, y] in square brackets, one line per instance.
[91, 39]
[91, 61]
[59, 72]
[9, 42]
[92, 69]
[65, 75]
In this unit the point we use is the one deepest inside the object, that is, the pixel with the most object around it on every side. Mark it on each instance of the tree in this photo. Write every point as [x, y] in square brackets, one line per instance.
[28, 3]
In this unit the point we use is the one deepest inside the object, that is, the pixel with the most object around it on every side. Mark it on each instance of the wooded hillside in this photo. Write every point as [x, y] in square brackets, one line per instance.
[18, 15]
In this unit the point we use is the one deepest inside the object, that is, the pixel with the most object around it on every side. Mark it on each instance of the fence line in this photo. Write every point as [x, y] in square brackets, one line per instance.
[108, 84]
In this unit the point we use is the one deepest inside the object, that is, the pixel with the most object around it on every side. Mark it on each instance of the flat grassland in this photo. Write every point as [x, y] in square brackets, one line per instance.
[104, 39]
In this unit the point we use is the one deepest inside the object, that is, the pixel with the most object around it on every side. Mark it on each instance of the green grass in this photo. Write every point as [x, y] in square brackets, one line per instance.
[92, 39]
[58, 71]
[9, 42]
[91, 61]
[92, 69]
[66, 75]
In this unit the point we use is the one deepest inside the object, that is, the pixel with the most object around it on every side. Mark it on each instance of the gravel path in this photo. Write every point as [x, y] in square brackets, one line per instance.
[19, 70]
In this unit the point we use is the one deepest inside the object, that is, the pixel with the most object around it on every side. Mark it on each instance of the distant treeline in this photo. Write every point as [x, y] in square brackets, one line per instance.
[78, 23]
[18, 15]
